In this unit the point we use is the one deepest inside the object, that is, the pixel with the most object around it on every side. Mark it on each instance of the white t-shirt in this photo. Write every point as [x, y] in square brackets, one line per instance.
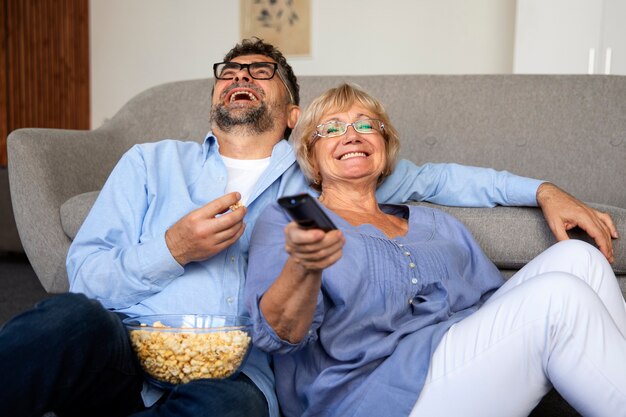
[243, 175]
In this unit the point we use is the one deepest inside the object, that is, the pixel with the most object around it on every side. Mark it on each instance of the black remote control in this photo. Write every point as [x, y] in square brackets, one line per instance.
[305, 210]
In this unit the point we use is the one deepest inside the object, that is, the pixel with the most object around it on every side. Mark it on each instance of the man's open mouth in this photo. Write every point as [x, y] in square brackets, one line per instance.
[241, 95]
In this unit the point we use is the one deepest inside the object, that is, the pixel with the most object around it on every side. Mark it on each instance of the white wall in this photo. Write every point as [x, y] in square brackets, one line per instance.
[136, 44]
[570, 37]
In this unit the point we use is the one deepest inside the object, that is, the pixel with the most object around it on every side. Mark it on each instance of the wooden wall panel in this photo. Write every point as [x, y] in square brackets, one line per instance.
[4, 128]
[47, 68]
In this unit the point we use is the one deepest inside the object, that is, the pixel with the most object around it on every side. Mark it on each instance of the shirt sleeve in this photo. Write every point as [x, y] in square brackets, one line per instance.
[110, 259]
[267, 257]
[457, 185]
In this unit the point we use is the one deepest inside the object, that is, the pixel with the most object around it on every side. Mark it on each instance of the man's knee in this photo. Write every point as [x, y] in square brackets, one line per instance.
[74, 314]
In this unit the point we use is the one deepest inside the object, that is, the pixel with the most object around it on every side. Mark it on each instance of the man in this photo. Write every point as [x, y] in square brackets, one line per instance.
[161, 239]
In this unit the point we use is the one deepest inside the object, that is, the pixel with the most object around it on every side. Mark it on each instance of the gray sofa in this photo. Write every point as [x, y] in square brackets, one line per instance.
[570, 130]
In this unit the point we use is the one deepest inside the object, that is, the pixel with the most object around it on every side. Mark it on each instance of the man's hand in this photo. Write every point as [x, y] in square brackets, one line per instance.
[564, 212]
[200, 234]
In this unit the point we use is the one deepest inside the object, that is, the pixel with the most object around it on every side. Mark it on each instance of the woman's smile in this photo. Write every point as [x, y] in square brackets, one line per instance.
[351, 155]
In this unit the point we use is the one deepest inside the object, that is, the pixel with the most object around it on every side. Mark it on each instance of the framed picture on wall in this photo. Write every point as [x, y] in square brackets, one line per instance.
[283, 23]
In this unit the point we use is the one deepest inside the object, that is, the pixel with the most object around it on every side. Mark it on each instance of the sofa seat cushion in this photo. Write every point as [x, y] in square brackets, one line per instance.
[510, 236]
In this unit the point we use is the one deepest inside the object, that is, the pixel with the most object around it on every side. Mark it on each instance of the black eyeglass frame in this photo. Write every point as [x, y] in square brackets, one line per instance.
[274, 65]
[277, 69]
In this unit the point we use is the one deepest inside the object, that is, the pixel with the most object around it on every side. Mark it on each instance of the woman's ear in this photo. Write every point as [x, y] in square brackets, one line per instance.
[293, 114]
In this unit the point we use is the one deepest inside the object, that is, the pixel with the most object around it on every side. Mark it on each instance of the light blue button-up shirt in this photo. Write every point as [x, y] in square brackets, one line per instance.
[120, 257]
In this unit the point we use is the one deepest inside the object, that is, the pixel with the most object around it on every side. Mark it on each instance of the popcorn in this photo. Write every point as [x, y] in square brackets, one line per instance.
[237, 205]
[179, 357]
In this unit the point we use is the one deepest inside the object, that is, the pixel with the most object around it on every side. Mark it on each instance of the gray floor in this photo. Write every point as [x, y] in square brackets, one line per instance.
[19, 287]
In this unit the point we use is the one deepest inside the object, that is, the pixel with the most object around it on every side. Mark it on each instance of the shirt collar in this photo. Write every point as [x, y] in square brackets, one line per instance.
[281, 149]
[210, 141]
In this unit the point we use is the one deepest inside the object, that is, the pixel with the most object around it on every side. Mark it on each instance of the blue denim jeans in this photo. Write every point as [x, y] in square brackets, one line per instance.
[72, 356]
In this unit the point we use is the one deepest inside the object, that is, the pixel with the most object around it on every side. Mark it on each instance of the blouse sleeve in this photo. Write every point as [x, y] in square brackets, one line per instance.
[266, 260]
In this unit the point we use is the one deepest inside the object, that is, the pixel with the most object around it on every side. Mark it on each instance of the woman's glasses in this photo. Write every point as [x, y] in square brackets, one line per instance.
[337, 128]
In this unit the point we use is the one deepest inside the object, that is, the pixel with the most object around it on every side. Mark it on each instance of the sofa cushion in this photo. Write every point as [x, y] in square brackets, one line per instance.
[75, 210]
[510, 236]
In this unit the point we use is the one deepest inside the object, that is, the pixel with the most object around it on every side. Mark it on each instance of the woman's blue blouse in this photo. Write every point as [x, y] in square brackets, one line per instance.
[382, 310]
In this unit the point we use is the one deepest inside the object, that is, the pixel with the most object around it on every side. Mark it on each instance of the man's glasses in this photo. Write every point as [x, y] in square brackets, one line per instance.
[257, 70]
[337, 128]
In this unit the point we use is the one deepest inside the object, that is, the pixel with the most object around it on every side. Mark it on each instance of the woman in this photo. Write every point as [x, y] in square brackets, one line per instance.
[400, 313]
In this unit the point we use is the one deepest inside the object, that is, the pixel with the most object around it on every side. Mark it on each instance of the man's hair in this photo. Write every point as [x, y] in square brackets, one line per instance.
[256, 46]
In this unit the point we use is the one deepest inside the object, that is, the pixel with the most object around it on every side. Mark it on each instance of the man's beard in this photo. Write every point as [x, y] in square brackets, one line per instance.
[252, 121]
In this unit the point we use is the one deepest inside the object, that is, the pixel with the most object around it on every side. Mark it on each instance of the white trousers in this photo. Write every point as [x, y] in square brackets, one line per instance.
[560, 321]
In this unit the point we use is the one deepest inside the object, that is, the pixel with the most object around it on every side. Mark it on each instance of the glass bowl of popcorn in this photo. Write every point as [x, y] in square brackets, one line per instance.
[177, 348]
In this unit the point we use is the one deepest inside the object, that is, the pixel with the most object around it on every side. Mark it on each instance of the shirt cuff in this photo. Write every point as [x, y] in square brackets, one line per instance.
[266, 339]
[156, 261]
[521, 191]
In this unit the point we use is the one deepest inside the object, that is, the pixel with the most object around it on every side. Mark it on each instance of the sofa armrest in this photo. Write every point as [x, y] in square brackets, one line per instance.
[47, 167]
[512, 236]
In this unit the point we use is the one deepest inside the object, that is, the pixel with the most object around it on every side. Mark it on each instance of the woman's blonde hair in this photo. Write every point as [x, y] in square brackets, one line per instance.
[337, 100]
